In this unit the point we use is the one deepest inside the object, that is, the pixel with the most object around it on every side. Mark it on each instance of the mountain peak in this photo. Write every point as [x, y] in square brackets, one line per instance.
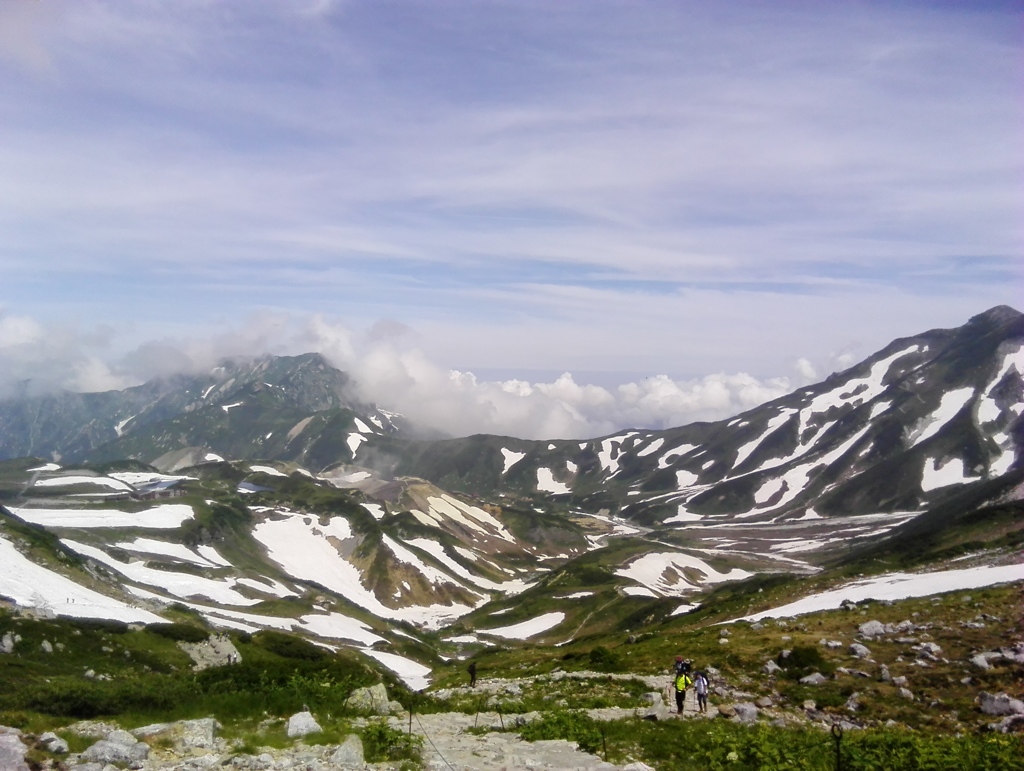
[997, 316]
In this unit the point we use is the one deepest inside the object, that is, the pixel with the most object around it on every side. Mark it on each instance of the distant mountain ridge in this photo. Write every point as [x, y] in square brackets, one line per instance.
[899, 431]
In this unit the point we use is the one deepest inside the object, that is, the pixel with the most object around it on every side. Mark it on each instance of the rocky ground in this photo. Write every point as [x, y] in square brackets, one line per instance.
[455, 741]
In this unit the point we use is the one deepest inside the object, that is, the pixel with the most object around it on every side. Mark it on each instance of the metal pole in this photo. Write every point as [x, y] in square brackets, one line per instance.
[837, 734]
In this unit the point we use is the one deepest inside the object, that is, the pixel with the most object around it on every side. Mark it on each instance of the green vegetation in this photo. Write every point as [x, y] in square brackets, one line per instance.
[725, 746]
[104, 669]
[383, 743]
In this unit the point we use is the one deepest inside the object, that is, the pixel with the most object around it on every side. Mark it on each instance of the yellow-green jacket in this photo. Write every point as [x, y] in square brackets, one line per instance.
[683, 681]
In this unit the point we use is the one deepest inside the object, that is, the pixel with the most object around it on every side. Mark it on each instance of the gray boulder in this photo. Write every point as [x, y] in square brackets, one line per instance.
[8, 641]
[185, 735]
[302, 724]
[872, 629]
[1011, 724]
[46, 646]
[349, 754]
[770, 667]
[12, 751]
[373, 699]
[815, 678]
[217, 651]
[105, 751]
[907, 694]
[980, 661]
[745, 713]
[859, 651]
[54, 743]
[121, 737]
[1000, 704]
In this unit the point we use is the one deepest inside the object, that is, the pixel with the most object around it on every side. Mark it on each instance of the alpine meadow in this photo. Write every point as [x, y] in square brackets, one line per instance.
[500, 385]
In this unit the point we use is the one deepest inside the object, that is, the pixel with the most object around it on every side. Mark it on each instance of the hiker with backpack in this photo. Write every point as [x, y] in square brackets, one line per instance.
[682, 682]
[700, 687]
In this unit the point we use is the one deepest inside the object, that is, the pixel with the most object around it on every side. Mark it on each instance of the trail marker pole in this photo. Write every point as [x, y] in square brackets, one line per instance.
[837, 734]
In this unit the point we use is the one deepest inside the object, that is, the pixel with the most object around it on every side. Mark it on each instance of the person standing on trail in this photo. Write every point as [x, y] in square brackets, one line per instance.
[700, 687]
[472, 674]
[682, 682]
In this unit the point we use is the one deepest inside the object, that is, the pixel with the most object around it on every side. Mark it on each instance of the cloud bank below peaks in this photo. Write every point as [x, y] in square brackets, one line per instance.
[404, 379]
[388, 367]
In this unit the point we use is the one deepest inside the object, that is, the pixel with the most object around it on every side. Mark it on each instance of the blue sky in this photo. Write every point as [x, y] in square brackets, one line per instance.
[618, 190]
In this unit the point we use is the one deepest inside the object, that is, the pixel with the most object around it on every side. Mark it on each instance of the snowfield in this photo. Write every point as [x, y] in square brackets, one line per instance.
[665, 573]
[33, 586]
[184, 585]
[527, 629]
[413, 674]
[166, 516]
[896, 586]
[301, 546]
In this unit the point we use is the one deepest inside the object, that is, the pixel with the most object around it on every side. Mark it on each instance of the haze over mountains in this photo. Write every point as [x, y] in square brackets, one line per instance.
[288, 489]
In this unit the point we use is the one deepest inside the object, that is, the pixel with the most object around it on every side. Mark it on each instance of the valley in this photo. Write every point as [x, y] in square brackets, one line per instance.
[332, 541]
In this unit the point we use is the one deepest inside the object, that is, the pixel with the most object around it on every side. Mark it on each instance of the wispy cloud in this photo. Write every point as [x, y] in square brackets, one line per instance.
[677, 188]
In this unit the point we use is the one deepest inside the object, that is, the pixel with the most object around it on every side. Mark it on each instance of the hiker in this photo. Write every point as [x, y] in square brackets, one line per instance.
[700, 687]
[682, 682]
[472, 674]
[679, 664]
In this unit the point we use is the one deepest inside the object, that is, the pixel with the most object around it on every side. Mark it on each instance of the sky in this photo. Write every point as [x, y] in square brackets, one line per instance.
[534, 218]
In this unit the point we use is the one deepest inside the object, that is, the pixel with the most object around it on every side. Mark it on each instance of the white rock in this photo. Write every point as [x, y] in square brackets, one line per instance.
[859, 651]
[349, 754]
[815, 678]
[301, 724]
[1000, 704]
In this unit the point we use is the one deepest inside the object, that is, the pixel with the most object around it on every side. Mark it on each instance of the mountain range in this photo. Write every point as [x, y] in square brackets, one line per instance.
[265, 495]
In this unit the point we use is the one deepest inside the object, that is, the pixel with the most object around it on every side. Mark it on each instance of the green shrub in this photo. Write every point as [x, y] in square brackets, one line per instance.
[604, 660]
[571, 725]
[288, 646]
[100, 625]
[179, 632]
[383, 743]
[802, 660]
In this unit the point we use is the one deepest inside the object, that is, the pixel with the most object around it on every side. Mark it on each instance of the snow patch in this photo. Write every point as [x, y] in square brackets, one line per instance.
[527, 629]
[33, 586]
[547, 483]
[896, 586]
[267, 470]
[511, 458]
[664, 572]
[952, 402]
[166, 516]
[952, 472]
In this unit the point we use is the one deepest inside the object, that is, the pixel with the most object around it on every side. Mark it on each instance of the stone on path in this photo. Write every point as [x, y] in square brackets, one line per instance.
[349, 754]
